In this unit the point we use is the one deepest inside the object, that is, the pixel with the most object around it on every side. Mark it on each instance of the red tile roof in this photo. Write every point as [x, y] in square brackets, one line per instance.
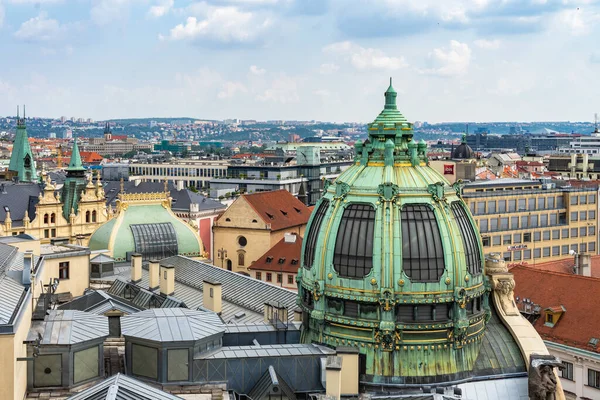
[278, 208]
[87, 157]
[581, 320]
[284, 251]
[565, 266]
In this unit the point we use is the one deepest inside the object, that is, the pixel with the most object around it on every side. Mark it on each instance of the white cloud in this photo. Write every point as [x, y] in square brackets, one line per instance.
[1, 14]
[363, 58]
[256, 70]
[104, 12]
[577, 21]
[41, 2]
[488, 44]
[230, 89]
[328, 68]
[40, 29]
[222, 24]
[284, 89]
[322, 93]
[161, 9]
[450, 61]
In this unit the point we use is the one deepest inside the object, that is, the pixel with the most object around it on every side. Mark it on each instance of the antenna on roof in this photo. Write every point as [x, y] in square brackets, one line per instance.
[23, 111]
[596, 123]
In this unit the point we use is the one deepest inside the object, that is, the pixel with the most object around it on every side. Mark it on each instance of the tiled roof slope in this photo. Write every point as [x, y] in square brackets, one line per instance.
[575, 293]
[565, 266]
[279, 208]
[287, 252]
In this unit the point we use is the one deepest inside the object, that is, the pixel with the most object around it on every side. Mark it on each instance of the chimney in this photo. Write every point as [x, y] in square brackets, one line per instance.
[27, 267]
[167, 280]
[289, 238]
[333, 377]
[349, 356]
[136, 267]
[297, 314]
[179, 185]
[585, 265]
[212, 296]
[154, 274]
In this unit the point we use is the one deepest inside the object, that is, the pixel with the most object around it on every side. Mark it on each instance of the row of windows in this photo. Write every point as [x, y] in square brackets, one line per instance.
[269, 277]
[177, 171]
[532, 221]
[50, 218]
[526, 254]
[593, 378]
[422, 250]
[527, 204]
[526, 237]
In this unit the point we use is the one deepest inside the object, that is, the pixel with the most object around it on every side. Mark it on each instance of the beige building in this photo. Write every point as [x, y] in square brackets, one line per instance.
[253, 224]
[25, 267]
[190, 173]
[528, 221]
[279, 265]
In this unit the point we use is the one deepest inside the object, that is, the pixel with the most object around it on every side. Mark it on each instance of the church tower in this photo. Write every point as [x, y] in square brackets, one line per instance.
[22, 164]
[75, 183]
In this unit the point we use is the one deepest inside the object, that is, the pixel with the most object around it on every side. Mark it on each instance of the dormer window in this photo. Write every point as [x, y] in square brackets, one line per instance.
[553, 315]
[271, 216]
[281, 260]
[269, 259]
[294, 261]
[283, 212]
[297, 210]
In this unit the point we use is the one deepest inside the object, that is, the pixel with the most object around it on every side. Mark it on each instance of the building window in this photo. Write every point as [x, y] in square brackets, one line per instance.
[592, 214]
[594, 378]
[556, 250]
[87, 216]
[507, 239]
[592, 246]
[546, 235]
[53, 232]
[485, 241]
[496, 240]
[279, 278]
[527, 237]
[517, 238]
[144, 361]
[565, 233]
[63, 270]
[290, 279]
[351, 309]
[241, 258]
[94, 216]
[574, 232]
[45, 218]
[242, 241]
[259, 275]
[269, 277]
[567, 371]
[313, 233]
[46, 233]
[353, 252]
[592, 199]
[53, 218]
[472, 253]
[546, 252]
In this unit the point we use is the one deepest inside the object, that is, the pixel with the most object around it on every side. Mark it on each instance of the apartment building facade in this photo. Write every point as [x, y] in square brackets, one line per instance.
[193, 173]
[528, 221]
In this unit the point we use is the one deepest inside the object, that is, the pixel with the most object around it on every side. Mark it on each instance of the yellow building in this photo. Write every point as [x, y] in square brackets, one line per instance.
[74, 212]
[528, 221]
[253, 224]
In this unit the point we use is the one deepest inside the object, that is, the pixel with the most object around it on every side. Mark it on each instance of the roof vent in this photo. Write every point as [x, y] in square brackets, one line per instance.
[593, 342]
[283, 212]
[289, 238]
[271, 216]
[240, 315]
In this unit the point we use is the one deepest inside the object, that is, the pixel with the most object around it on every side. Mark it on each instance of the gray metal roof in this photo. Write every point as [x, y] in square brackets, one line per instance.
[66, 327]
[122, 387]
[12, 290]
[102, 258]
[99, 302]
[171, 325]
[243, 291]
[142, 297]
[273, 350]
[18, 197]
[497, 389]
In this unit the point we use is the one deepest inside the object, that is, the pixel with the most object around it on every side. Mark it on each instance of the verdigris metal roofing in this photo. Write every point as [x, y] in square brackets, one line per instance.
[273, 350]
[238, 289]
[122, 387]
[66, 327]
[171, 325]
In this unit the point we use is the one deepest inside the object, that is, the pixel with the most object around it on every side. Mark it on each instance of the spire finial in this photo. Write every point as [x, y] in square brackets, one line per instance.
[390, 97]
[17, 112]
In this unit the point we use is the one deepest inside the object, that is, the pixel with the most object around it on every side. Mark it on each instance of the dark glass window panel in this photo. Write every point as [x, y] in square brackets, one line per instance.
[470, 241]
[422, 252]
[155, 241]
[351, 309]
[404, 313]
[313, 234]
[353, 253]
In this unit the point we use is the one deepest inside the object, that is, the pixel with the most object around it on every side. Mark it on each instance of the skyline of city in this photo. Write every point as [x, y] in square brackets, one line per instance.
[283, 59]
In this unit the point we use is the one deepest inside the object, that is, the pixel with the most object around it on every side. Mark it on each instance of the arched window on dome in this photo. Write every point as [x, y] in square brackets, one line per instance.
[469, 238]
[353, 253]
[313, 234]
[422, 251]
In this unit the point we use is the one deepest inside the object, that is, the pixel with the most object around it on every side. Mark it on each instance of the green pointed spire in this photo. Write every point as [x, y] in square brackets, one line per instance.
[75, 164]
[22, 164]
[390, 97]
[389, 117]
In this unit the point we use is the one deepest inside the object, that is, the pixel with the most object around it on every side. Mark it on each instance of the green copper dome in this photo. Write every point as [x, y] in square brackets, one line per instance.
[392, 263]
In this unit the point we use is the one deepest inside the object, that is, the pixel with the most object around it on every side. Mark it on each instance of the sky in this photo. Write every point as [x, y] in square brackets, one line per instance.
[328, 60]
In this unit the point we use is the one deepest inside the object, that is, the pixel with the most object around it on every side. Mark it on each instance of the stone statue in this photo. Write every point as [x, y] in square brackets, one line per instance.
[542, 380]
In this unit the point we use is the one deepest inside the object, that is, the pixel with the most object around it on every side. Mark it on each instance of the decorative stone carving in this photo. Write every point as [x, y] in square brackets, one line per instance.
[542, 380]
[457, 186]
[326, 184]
[387, 300]
[437, 191]
[341, 190]
[494, 264]
[388, 191]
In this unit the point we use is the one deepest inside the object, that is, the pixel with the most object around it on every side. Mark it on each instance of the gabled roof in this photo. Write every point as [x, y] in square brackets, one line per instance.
[172, 325]
[122, 387]
[284, 257]
[579, 323]
[269, 381]
[565, 266]
[278, 208]
[99, 302]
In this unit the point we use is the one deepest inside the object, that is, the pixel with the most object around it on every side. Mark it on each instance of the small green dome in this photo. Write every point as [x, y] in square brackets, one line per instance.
[392, 263]
[149, 229]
